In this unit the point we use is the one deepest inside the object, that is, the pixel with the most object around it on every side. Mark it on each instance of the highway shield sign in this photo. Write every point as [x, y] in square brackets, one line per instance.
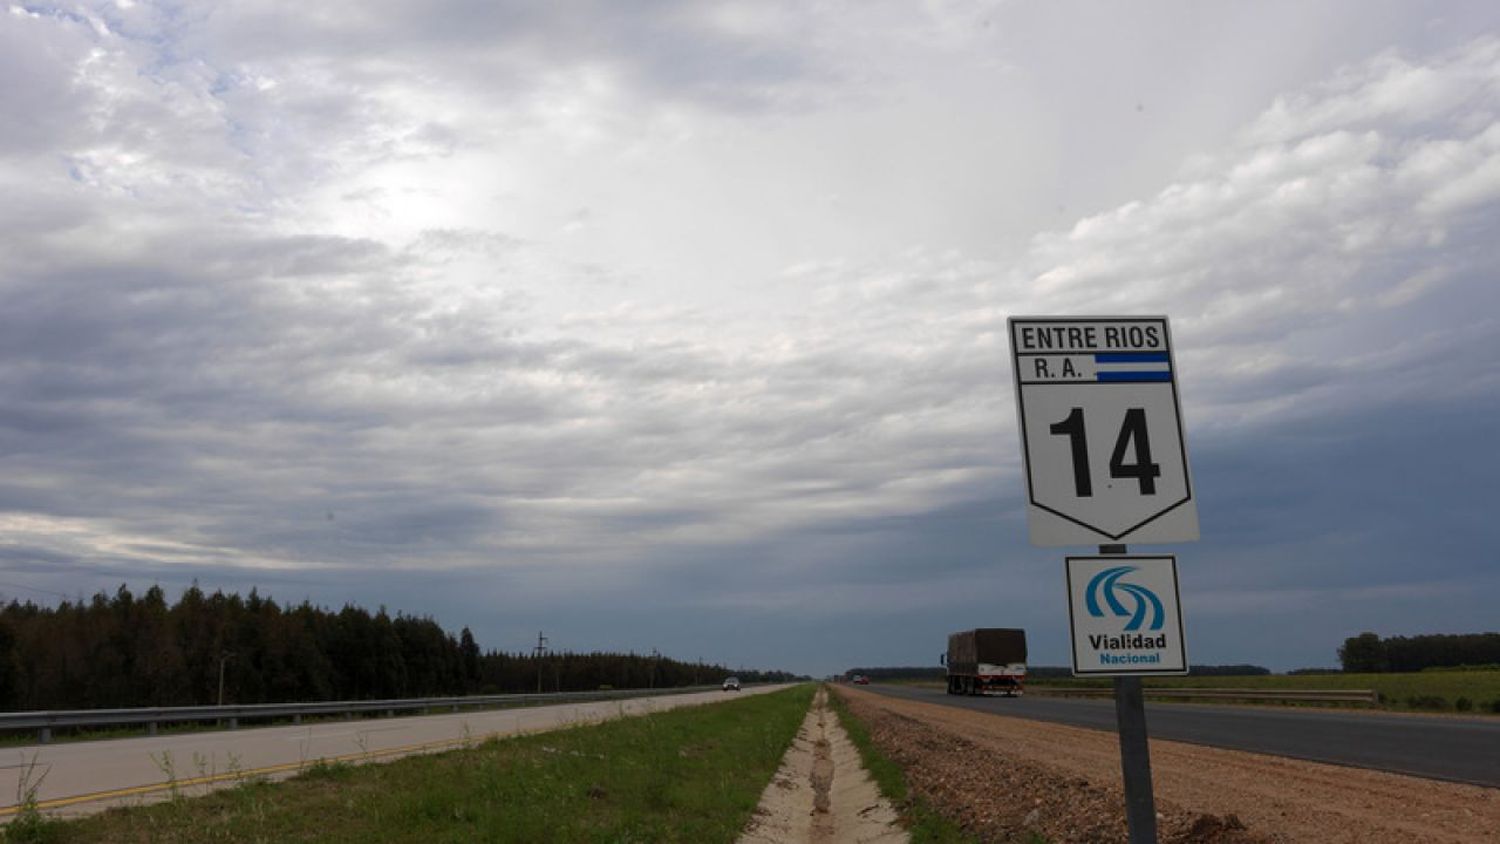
[1101, 431]
[1125, 613]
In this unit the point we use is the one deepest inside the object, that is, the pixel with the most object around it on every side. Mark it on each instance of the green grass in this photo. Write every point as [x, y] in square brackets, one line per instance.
[693, 775]
[1419, 691]
[925, 825]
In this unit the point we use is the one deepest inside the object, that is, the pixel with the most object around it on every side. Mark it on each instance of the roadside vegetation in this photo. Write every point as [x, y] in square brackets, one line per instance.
[1371, 652]
[693, 775]
[924, 824]
[122, 651]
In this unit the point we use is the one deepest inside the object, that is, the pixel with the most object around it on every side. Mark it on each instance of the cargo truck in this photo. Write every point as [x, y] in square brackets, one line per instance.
[986, 659]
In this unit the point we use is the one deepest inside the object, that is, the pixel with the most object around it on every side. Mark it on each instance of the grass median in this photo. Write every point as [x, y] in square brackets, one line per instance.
[693, 774]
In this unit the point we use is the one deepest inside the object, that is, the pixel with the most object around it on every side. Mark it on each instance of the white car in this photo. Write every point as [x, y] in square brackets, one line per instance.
[732, 684]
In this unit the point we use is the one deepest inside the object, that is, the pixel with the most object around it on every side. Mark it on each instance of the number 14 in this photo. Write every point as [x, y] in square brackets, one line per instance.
[1132, 436]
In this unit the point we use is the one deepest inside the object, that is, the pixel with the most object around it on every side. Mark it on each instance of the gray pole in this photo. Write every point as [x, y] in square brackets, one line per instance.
[1135, 753]
[224, 657]
[539, 652]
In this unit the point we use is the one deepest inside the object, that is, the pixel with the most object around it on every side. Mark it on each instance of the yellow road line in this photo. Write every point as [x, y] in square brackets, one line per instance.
[209, 779]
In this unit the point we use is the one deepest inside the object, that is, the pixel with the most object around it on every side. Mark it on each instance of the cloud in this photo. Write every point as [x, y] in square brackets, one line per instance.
[1340, 248]
[334, 290]
[883, 397]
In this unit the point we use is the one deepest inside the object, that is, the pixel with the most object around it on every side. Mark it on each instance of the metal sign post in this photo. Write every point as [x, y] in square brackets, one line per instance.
[1135, 760]
[1135, 750]
[1125, 616]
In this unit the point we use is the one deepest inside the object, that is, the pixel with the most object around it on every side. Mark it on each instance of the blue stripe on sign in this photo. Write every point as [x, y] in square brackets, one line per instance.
[1130, 357]
[1134, 376]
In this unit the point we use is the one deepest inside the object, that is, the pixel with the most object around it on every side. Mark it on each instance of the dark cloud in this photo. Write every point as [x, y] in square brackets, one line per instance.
[235, 347]
[669, 49]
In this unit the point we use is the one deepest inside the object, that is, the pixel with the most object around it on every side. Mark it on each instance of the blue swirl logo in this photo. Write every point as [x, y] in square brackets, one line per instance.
[1144, 601]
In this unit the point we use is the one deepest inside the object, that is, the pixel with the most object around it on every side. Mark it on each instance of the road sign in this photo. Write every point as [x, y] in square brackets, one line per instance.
[1126, 615]
[1101, 431]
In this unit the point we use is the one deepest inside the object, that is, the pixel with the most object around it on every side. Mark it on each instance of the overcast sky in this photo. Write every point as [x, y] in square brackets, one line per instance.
[682, 325]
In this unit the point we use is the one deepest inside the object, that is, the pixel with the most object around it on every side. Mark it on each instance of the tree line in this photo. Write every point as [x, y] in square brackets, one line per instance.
[129, 651]
[1368, 652]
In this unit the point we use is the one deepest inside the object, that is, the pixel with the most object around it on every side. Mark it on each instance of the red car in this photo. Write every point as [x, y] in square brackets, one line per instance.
[861, 680]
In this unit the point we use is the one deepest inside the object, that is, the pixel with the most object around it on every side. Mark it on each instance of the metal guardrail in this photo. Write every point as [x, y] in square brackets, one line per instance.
[1369, 696]
[45, 722]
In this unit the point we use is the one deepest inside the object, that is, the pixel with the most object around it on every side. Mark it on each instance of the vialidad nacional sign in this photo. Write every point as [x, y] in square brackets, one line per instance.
[1125, 614]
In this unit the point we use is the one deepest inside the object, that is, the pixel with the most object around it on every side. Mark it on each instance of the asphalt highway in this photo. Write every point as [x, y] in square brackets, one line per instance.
[1461, 749]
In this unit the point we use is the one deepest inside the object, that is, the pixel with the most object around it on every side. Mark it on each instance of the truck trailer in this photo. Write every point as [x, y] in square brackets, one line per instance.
[986, 659]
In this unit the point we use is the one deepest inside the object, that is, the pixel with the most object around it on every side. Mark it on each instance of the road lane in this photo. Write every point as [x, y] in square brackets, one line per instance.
[81, 777]
[1460, 749]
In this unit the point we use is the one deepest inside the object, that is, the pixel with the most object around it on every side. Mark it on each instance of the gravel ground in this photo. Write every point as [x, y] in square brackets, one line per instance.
[1004, 778]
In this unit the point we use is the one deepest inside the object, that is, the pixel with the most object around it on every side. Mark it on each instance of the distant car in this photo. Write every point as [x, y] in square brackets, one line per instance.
[732, 684]
[861, 680]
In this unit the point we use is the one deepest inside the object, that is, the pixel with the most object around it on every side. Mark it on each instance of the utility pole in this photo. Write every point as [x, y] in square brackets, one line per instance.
[539, 652]
[224, 656]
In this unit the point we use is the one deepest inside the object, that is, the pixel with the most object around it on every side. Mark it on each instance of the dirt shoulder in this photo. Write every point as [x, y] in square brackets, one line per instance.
[1003, 777]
